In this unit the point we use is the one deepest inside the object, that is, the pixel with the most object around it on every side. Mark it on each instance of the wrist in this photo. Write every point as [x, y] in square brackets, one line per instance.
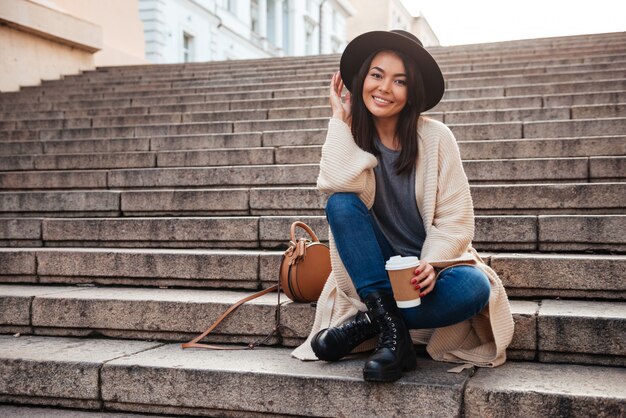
[341, 117]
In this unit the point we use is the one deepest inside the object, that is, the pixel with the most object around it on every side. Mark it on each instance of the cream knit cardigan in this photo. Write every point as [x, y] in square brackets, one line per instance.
[445, 204]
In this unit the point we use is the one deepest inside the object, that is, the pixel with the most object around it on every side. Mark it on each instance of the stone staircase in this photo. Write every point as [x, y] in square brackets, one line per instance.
[137, 203]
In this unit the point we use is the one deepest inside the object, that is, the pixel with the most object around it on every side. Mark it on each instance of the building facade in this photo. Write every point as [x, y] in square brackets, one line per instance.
[387, 15]
[45, 39]
[213, 30]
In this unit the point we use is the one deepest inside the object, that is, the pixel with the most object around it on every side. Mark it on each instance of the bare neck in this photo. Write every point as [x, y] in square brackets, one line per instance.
[386, 129]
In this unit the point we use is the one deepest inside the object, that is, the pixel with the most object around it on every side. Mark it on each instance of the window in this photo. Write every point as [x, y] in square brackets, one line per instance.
[271, 22]
[187, 47]
[254, 15]
[286, 29]
[308, 41]
[231, 5]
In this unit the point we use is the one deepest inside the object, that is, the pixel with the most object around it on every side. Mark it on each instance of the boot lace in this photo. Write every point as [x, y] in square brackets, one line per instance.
[389, 332]
[358, 330]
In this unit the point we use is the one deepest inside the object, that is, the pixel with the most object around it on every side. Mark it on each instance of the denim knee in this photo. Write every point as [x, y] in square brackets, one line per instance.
[481, 284]
[342, 204]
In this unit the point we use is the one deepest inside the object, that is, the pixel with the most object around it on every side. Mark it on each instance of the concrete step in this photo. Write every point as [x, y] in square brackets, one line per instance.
[525, 275]
[612, 110]
[271, 69]
[214, 150]
[113, 374]
[290, 143]
[170, 142]
[204, 78]
[33, 161]
[45, 156]
[227, 84]
[319, 87]
[249, 155]
[463, 132]
[479, 150]
[494, 171]
[443, 56]
[544, 233]
[450, 117]
[562, 331]
[195, 103]
[214, 157]
[513, 199]
[534, 114]
[526, 90]
[525, 79]
[279, 67]
[523, 389]
[243, 68]
[15, 411]
[459, 69]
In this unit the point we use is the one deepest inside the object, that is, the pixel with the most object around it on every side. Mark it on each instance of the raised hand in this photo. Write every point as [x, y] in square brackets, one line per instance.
[342, 109]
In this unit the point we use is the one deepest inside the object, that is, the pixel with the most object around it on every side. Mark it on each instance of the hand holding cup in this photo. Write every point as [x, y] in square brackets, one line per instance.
[424, 279]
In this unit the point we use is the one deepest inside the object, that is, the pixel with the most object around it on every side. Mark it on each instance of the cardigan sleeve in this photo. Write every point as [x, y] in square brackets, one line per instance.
[452, 230]
[344, 166]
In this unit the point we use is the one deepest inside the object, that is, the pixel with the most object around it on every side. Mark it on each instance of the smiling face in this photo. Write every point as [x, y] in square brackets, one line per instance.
[385, 86]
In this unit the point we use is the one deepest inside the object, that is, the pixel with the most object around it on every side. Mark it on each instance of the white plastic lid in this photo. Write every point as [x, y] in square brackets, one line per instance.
[398, 262]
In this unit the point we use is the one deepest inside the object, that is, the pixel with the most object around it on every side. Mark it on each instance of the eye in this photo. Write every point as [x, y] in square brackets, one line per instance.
[376, 76]
[401, 82]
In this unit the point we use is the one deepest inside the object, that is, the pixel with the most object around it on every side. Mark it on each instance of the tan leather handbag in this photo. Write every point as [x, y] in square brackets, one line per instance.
[304, 268]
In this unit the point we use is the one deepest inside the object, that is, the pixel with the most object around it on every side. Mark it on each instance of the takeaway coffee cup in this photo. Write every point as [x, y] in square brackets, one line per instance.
[401, 270]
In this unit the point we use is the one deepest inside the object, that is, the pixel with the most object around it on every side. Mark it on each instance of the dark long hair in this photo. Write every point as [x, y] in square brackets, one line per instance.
[363, 129]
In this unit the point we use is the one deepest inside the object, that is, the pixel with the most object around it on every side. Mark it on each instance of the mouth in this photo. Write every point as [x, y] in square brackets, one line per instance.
[381, 100]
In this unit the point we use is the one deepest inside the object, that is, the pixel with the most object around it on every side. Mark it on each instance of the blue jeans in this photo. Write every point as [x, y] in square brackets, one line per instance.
[460, 291]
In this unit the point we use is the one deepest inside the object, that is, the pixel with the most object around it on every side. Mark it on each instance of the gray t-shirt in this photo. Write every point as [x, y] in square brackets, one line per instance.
[395, 209]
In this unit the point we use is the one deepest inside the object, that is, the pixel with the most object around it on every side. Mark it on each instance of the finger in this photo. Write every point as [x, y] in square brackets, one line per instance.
[422, 267]
[423, 271]
[427, 285]
[428, 289]
[426, 281]
[421, 283]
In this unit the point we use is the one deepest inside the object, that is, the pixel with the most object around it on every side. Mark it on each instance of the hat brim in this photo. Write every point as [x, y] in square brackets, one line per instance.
[362, 46]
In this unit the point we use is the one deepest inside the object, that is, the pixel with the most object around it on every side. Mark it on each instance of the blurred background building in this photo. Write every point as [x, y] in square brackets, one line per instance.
[387, 15]
[210, 30]
[46, 39]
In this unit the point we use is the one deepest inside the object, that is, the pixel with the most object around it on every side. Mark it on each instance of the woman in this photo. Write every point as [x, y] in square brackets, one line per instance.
[398, 188]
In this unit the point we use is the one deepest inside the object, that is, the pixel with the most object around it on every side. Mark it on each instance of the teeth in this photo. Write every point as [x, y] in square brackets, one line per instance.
[378, 99]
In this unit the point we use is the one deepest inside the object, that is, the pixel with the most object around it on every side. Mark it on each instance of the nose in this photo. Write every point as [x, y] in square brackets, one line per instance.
[385, 85]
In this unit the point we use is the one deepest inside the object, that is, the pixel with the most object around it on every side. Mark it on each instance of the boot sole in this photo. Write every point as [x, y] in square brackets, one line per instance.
[390, 376]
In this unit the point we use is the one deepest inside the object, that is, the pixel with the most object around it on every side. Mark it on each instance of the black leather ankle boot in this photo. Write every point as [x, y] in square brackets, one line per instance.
[331, 344]
[395, 352]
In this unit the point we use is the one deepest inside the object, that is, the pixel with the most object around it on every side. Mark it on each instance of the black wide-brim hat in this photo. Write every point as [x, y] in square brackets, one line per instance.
[364, 45]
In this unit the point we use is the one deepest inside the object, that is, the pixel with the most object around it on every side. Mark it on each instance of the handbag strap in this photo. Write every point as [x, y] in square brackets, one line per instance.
[305, 227]
[196, 344]
[300, 248]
